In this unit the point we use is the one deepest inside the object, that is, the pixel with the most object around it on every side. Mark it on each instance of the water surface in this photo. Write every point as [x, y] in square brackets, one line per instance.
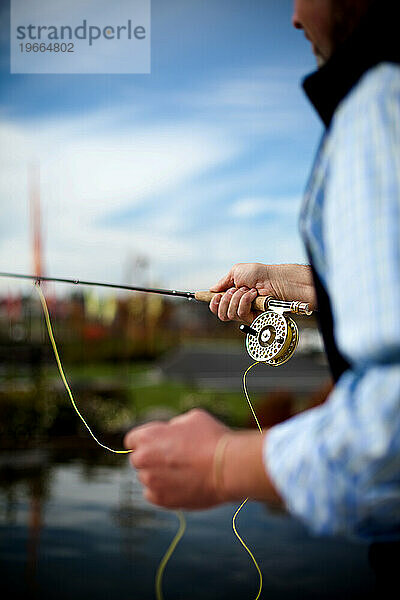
[75, 526]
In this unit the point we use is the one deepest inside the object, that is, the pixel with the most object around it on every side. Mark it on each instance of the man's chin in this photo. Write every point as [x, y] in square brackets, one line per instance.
[321, 60]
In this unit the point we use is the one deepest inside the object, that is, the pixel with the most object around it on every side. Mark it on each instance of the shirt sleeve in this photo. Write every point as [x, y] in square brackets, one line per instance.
[338, 466]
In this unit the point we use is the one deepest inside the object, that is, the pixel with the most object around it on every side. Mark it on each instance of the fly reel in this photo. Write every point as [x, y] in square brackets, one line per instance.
[273, 336]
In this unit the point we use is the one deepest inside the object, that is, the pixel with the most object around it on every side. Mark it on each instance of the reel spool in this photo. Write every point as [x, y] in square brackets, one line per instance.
[273, 336]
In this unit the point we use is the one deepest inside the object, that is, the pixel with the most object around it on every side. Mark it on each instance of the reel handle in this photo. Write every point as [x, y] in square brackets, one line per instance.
[263, 303]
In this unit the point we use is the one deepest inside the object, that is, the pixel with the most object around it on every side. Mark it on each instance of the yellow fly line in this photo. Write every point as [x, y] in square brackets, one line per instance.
[180, 515]
[245, 501]
[64, 379]
[168, 554]
[182, 523]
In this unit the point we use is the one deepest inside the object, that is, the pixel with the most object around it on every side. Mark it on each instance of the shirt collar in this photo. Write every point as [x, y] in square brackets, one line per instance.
[375, 40]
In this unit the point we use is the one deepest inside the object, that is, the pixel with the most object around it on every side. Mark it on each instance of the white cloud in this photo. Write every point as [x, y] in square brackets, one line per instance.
[88, 173]
[255, 102]
[251, 89]
[98, 166]
[246, 208]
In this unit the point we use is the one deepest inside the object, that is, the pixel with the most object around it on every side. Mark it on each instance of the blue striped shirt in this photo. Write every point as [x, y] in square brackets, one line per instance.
[338, 466]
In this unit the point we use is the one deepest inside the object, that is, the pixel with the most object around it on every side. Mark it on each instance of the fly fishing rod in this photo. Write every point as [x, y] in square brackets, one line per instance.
[272, 337]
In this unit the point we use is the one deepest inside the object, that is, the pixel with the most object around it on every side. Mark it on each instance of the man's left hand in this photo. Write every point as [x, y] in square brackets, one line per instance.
[174, 460]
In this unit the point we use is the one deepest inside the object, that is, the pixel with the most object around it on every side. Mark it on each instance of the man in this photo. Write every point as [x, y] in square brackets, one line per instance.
[336, 467]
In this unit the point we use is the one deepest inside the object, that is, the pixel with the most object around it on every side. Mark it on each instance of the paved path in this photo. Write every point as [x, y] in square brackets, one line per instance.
[222, 367]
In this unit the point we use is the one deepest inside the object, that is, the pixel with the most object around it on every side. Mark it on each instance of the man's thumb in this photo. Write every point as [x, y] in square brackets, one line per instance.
[223, 284]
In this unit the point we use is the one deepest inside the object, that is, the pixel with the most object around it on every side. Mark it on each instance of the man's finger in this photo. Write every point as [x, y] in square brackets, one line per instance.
[214, 304]
[133, 437]
[223, 284]
[154, 498]
[264, 292]
[224, 305]
[138, 460]
[244, 310]
[234, 303]
[128, 441]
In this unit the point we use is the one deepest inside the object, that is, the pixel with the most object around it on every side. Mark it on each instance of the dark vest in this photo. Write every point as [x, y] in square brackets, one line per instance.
[374, 41]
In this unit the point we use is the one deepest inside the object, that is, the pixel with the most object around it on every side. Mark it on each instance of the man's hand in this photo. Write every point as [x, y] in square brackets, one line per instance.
[247, 280]
[175, 463]
[174, 460]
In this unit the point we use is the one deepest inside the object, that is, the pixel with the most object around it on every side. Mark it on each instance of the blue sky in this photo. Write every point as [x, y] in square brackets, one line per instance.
[196, 166]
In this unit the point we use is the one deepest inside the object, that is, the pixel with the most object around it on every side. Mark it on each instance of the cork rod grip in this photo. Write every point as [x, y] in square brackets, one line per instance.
[258, 303]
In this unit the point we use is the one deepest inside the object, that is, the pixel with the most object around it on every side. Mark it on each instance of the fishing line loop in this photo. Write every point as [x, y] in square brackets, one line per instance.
[180, 515]
[62, 374]
[182, 522]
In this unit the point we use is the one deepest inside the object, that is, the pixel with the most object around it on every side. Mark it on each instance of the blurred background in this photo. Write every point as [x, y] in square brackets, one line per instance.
[165, 179]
